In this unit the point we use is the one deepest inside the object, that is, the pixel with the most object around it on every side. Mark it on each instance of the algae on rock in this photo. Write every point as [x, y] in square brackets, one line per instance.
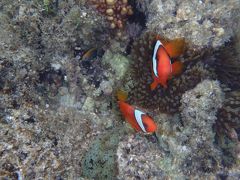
[100, 161]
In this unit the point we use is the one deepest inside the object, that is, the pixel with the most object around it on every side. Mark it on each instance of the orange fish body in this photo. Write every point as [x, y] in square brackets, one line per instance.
[139, 120]
[162, 67]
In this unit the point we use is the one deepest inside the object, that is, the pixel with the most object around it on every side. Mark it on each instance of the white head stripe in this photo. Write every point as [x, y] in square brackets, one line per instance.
[138, 115]
[154, 59]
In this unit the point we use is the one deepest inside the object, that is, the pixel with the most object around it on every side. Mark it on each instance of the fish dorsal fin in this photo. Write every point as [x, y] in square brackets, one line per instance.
[138, 116]
[154, 57]
[175, 47]
[177, 68]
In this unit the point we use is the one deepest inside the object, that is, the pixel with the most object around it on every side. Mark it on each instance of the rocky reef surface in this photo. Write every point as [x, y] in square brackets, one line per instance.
[62, 62]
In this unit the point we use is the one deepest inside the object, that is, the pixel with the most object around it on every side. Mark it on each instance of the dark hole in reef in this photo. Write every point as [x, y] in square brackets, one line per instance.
[151, 138]
[15, 104]
[22, 155]
[138, 177]
[93, 70]
[59, 178]
[128, 150]
[210, 165]
[30, 120]
[137, 17]
[54, 141]
[222, 176]
[198, 96]
[51, 76]
[8, 167]
[91, 162]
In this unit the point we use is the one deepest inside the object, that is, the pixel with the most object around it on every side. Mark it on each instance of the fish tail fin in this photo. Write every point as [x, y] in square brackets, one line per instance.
[122, 95]
[177, 68]
[175, 47]
[154, 84]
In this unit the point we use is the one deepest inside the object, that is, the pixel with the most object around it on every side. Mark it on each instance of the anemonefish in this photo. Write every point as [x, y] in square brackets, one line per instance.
[138, 119]
[162, 66]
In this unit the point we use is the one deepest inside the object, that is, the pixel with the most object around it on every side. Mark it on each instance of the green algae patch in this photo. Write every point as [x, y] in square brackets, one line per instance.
[117, 62]
[99, 161]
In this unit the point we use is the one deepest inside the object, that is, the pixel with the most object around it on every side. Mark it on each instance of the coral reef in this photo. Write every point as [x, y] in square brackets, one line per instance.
[60, 67]
[78, 28]
[203, 23]
[116, 11]
[48, 103]
[199, 110]
[167, 100]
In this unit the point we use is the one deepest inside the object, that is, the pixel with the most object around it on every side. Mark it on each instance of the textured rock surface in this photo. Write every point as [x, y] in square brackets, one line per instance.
[199, 109]
[202, 23]
[138, 158]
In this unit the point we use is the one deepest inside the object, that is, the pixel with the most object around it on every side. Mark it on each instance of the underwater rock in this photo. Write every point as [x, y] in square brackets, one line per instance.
[203, 23]
[138, 158]
[199, 109]
[79, 27]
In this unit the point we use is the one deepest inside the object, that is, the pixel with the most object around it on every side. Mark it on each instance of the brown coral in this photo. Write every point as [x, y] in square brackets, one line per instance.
[167, 100]
[116, 11]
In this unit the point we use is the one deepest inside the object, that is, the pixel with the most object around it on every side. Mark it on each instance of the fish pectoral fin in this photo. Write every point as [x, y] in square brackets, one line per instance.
[154, 84]
[177, 68]
[175, 47]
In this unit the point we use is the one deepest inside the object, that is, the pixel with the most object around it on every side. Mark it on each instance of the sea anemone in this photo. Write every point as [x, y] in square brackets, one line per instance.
[166, 100]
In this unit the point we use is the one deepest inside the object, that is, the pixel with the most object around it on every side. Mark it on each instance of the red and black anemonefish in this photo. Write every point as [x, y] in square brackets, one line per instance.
[162, 66]
[138, 119]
